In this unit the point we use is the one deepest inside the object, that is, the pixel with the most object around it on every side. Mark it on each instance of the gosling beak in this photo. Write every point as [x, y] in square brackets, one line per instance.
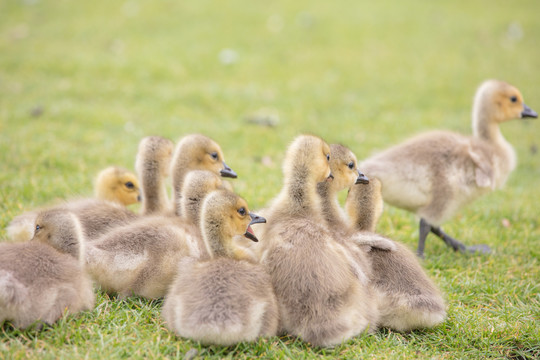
[227, 172]
[139, 198]
[255, 219]
[330, 177]
[528, 112]
[361, 179]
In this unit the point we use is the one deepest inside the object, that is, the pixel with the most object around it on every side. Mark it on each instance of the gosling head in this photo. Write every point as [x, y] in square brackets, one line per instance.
[198, 152]
[60, 229]
[225, 215]
[155, 153]
[501, 102]
[119, 185]
[343, 165]
[308, 157]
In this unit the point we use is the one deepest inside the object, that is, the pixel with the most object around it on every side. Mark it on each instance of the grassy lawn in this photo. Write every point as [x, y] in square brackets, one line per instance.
[82, 82]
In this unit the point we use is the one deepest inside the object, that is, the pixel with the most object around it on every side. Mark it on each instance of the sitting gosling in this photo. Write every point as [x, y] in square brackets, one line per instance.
[226, 299]
[115, 187]
[321, 298]
[141, 258]
[38, 283]
[406, 296]
[437, 173]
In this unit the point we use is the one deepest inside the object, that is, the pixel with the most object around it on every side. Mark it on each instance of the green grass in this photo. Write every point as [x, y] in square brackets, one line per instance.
[82, 82]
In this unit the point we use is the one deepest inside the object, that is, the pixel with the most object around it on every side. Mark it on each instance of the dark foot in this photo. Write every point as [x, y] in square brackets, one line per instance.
[459, 246]
[482, 248]
[426, 227]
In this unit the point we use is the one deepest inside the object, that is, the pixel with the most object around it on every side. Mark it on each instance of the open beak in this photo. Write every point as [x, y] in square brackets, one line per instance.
[528, 112]
[255, 219]
[361, 179]
[330, 177]
[227, 172]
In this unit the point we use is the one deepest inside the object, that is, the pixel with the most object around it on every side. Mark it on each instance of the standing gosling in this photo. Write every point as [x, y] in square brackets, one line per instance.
[435, 174]
[38, 283]
[196, 152]
[316, 285]
[227, 299]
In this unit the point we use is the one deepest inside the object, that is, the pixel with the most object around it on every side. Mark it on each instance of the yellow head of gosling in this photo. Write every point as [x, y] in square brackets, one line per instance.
[343, 165]
[119, 185]
[199, 152]
[500, 102]
[225, 215]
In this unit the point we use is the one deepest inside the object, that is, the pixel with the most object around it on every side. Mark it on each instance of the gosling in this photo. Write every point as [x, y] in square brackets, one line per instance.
[435, 174]
[38, 283]
[115, 188]
[407, 298]
[226, 299]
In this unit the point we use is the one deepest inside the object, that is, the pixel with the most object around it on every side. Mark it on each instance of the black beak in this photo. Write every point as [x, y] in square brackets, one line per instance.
[227, 172]
[528, 112]
[361, 179]
[330, 177]
[255, 219]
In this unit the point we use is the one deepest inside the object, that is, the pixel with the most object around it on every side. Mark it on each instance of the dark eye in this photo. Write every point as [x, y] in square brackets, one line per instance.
[129, 185]
[351, 165]
[214, 155]
[327, 157]
[242, 211]
[37, 228]
[513, 99]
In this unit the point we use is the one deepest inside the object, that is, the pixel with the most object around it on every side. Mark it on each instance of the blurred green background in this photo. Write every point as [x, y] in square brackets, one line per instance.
[82, 82]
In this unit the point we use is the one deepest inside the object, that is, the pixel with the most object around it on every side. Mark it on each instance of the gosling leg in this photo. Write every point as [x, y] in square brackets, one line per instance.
[425, 228]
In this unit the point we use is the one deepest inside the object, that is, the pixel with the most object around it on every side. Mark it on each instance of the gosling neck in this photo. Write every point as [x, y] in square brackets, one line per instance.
[329, 203]
[300, 194]
[191, 208]
[484, 124]
[214, 239]
[178, 175]
[154, 192]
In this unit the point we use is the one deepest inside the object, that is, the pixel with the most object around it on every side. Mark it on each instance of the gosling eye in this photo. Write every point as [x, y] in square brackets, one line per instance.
[351, 165]
[242, 211]
[327, 157]
[214, 155]
[129, 185]
[513, 99]
[38, 228]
